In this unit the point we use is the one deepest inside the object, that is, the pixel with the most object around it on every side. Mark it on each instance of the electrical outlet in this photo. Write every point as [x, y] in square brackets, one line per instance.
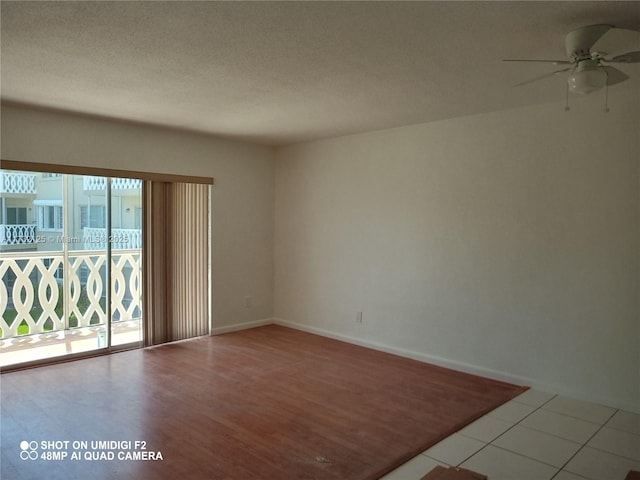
[358, 317]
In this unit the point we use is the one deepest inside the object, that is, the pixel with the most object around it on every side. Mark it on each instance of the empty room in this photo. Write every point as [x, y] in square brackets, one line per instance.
[320, 240]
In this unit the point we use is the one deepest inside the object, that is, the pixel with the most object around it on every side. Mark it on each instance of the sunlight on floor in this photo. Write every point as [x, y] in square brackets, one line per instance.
[28, 348]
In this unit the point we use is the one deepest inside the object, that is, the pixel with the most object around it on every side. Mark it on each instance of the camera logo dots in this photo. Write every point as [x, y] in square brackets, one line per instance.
[29, 450]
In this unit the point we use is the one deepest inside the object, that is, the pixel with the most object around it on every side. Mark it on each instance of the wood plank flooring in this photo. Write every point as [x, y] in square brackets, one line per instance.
[266, 403]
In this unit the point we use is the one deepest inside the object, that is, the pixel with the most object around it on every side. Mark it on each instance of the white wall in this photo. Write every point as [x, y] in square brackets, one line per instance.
[505, 244]
[242, 194]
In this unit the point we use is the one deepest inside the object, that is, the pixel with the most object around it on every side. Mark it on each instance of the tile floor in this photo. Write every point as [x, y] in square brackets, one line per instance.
[539, 436]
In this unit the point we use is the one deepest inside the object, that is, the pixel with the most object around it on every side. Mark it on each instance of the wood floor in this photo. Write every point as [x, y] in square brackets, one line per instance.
[267, 403]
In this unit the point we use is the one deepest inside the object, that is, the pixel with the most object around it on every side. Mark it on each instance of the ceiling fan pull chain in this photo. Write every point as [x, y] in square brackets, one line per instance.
[606, 97]
[566, 104]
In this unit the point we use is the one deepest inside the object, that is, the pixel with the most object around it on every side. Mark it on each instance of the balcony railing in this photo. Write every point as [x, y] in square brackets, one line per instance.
[12, 182]
[100, 183]
[120, 239]
[17, 234]
[32, 295]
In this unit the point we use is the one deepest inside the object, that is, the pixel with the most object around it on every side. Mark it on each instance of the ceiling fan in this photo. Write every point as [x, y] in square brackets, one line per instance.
[589, 50]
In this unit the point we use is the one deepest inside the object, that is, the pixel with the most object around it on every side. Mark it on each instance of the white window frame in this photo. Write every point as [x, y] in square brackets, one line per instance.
[17, 212]
[43, 219]
[86, 217]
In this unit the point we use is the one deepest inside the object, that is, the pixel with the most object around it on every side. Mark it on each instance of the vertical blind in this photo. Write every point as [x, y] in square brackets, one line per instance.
[177, 253]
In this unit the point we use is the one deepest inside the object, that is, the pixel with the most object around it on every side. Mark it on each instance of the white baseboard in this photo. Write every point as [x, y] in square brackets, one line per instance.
[465, 367]
[422, 357]
[241, 326]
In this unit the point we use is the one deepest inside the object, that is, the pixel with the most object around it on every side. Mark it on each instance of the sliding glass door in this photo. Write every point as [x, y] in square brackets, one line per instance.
[126, 261]
[70, 265]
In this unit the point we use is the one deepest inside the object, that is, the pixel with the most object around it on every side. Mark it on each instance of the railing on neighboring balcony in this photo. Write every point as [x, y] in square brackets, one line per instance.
[120, 238]
[100, 183]
[13, 182]
[17, 234]
[31, 292]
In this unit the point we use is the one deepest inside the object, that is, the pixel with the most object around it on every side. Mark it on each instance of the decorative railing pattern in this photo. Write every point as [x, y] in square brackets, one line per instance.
[17, 234]
[12, 182]
[31, 293]
[120, 238]
[126, 281]
[100, 183]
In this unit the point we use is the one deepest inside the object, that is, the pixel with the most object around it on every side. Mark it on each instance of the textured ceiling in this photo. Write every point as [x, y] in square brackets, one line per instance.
[283, 72]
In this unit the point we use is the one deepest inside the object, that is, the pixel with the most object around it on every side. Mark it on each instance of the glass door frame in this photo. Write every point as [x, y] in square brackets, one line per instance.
[68, 181]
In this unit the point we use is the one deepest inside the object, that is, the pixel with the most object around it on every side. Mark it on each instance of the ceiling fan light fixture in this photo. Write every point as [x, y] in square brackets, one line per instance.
[587, 79]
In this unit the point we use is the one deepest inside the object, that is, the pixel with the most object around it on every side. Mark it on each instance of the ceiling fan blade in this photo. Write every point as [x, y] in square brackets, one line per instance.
[629, 57]
[584, 38]
[541, 77]
[554, 62]
[617, 41]
[615, 76]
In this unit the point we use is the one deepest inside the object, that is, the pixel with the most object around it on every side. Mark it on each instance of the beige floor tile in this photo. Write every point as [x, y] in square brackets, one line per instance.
[535, 398]
[486, 428]
[537, 445]
[499, 464]
[512, 411]
[564, 475]
[455, 449]
[598, 465]
[625, 421]
[617, 442]
[569, 428]
[591, 412]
